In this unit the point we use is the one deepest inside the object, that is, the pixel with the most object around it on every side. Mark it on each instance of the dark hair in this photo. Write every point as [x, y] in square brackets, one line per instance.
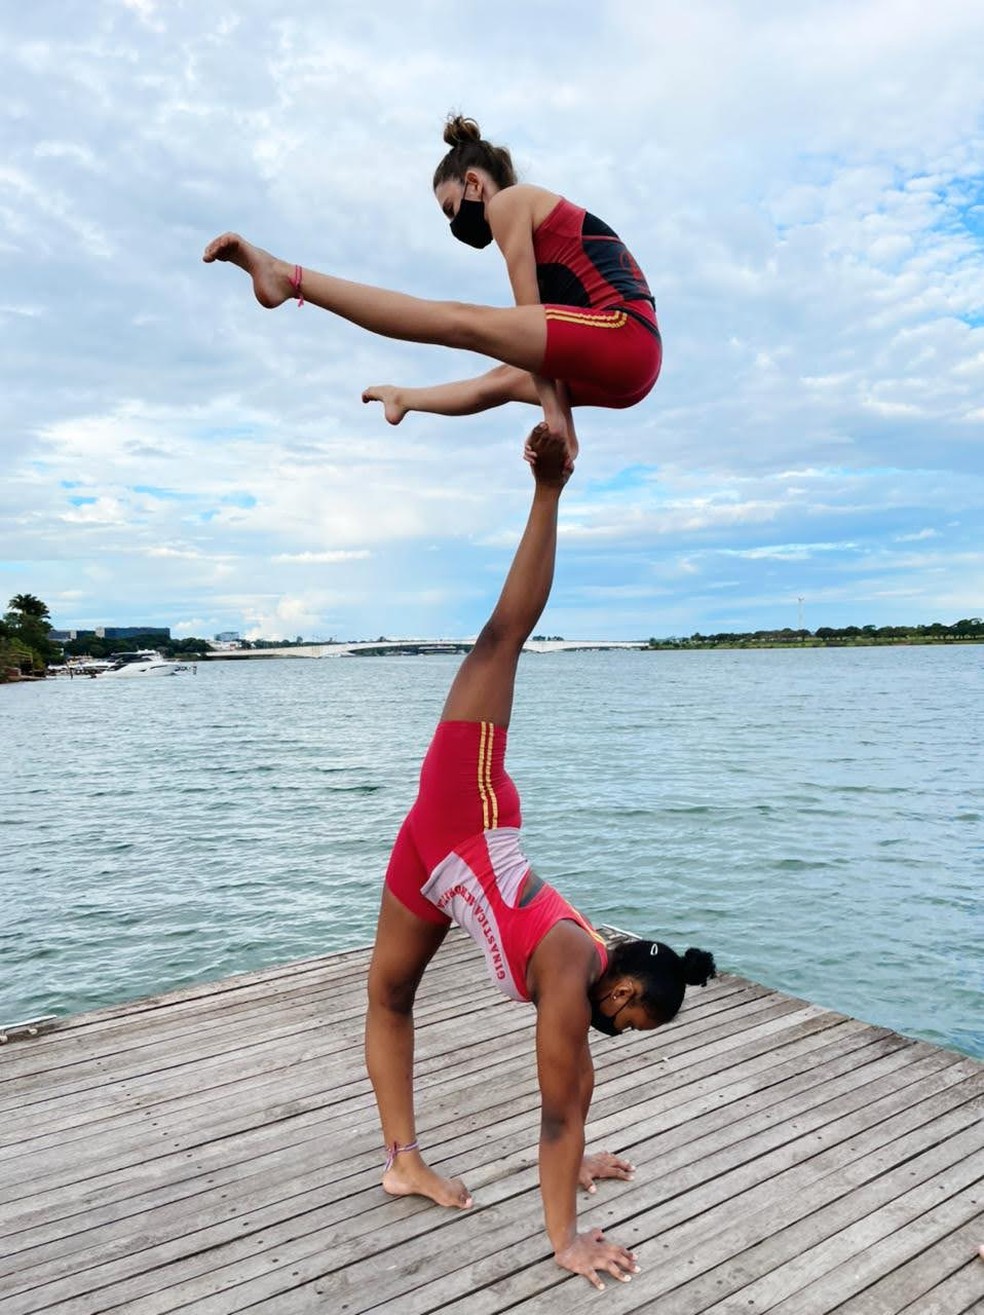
[664, 975]
[469, 150]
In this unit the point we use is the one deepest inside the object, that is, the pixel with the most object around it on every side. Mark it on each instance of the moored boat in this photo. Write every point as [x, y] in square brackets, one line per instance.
[144, 662]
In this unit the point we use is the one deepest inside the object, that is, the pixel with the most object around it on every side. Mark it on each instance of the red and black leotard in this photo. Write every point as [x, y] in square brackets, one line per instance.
[602, 337]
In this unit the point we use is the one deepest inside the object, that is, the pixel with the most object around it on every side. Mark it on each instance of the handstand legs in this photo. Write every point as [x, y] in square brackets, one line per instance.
[481, 691]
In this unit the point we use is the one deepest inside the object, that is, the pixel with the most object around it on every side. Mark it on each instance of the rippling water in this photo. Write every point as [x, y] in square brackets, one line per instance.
[812, 817]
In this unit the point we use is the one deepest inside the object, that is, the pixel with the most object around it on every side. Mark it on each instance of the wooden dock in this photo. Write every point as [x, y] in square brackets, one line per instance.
[216, 1150]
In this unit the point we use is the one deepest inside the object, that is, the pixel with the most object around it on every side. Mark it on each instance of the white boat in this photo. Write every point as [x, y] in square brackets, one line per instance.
[144, 662]
[85, 666]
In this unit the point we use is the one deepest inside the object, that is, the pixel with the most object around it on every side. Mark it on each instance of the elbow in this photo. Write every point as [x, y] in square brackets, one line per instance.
[556, 1125]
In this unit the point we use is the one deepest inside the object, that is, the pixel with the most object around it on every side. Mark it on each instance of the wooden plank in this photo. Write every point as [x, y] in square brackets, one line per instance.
[777, 1218]
[875, 1245]
[765, 1130]
[787, 1236]
[300, 1254]
[36, 1055]
[766, 1099]
[925, 1274]
[144, 1082]
[31, 1169]
[684, 1114]
[682, 1211]
[530, 1083]
[494, 1244]
[79, 1048]
[848, 1044]
[960, 1294]
[180, 1054]
[136, 1087]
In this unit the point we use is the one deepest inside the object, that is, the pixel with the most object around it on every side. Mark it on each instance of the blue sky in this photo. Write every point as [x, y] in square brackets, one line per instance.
[802, 184]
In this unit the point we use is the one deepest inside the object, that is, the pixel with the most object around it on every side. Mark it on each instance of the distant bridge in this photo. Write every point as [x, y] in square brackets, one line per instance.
[412, 647]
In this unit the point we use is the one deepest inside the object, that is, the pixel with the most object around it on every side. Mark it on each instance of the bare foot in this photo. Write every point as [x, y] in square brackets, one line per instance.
[393, 408]
[547, 454]
[271, 277]
[409, 1176]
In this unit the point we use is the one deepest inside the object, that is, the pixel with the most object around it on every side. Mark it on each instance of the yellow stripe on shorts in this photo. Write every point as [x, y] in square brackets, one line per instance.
[486, 791]
[592, 319]
[488, 778]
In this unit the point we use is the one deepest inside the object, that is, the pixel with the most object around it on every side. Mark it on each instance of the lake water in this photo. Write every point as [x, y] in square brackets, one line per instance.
[814, 818]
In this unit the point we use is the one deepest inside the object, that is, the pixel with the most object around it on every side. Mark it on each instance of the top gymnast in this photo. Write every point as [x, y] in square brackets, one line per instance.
[583, 331]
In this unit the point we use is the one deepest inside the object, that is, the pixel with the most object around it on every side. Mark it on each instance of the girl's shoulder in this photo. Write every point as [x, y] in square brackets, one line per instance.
[537, 202]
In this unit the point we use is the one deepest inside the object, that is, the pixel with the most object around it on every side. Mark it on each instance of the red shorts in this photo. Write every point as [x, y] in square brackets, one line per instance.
[606, 357]
[464, 790]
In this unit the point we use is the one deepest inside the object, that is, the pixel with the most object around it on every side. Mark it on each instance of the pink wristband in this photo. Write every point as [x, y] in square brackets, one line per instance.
[295, 283]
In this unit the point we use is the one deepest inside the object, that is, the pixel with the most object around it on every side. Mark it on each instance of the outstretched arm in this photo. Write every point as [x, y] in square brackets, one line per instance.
[511, 220]
[483, 687]
[562, 965]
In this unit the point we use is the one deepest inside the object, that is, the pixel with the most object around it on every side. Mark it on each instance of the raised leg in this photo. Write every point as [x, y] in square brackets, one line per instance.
[405, 944]
[483, 688]
[515, 335]
[465, 397]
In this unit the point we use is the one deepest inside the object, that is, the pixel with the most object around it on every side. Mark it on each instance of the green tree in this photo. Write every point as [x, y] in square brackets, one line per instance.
[26, 624]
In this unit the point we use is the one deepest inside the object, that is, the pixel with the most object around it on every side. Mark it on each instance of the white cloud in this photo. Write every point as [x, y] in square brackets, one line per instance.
[287, 618]
[321, 557]
[917, 535]
[801, 184]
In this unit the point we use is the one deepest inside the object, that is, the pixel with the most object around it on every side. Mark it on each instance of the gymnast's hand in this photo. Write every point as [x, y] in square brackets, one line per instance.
[547, 454]
[589, 1253]
[603, 1165]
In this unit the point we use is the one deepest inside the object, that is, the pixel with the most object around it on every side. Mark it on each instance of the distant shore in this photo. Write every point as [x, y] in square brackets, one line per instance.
[812, 642]
[969, 631]
[427, 647]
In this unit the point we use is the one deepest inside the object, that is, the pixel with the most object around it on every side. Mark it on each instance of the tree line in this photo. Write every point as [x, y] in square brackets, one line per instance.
[970, 628]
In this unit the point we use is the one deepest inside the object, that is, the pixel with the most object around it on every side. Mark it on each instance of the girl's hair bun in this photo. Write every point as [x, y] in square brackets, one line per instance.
[469, 150]
[698, 967]
[459, 131]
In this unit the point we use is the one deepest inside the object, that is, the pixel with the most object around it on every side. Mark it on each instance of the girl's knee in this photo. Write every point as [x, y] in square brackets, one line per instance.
[464, 326]
[506, 383]
[393, 995]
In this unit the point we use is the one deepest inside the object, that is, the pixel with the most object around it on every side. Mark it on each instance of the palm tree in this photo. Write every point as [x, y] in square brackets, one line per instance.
[28, 605]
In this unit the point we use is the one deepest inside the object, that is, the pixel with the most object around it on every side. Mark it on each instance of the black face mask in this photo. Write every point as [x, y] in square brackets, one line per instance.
[470, 225]
[601, 1021]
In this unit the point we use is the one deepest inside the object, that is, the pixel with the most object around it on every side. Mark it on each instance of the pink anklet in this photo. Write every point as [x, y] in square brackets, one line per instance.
[396, 1149]
[295, 283]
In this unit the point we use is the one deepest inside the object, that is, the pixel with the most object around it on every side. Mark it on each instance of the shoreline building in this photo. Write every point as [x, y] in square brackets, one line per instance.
[159, 634]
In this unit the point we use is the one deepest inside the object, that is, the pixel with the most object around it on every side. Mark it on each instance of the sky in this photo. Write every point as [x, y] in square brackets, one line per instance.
[802, 184]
